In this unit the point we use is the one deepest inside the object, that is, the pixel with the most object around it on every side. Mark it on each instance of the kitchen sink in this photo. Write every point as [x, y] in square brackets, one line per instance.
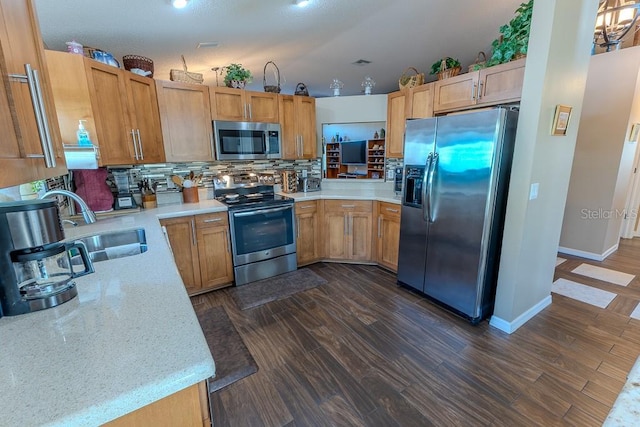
[114, 244]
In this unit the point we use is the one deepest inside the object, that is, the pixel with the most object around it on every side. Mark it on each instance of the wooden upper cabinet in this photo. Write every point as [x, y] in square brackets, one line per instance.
[298, 126]
[120, 109]
[263, 106]
[489, 86]
[455, 92]
[145, 116]
[502, 83]
[23, 148]
[242, 105]
[396, 116]
[185, 116]
[420, 105]
[110, 110]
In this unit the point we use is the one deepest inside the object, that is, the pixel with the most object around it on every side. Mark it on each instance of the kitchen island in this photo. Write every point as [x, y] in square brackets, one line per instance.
[130, 337]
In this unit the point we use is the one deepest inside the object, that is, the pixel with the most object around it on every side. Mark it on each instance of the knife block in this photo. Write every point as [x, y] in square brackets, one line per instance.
[190, 195]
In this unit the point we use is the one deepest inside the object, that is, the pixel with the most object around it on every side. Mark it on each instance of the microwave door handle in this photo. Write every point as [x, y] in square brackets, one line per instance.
[265, 147]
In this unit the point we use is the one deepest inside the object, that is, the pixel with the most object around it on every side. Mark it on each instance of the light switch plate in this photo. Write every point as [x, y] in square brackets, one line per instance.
[533, 192]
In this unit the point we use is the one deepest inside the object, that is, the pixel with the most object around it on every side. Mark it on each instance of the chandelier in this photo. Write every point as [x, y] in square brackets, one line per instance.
[614, 20]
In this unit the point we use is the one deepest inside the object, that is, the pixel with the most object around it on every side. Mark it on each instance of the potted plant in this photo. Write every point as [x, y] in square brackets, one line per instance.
[514, 38]
[445, 68]
[237, 76]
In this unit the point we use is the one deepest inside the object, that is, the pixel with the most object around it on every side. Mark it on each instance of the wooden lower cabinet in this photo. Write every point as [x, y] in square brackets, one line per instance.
[347, 230]
[388, 234]
[307, 232]
[202, 250]
[188, 408]
[214, 250]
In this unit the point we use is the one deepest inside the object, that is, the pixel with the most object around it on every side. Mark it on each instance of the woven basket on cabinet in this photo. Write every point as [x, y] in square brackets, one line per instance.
[185, 76]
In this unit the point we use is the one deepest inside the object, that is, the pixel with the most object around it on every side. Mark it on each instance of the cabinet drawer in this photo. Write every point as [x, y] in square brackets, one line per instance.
[348, 205]
[389, 210]
[212, 219]
[306, 207]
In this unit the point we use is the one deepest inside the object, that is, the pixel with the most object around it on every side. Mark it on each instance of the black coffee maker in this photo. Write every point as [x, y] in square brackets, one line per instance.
[36, 271]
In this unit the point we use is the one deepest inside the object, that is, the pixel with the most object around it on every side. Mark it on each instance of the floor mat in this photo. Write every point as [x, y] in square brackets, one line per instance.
[604, 274]
[230, 354]
[275, 288]
[583, 293]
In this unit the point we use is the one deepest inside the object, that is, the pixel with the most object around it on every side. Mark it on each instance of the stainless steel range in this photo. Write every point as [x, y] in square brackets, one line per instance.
[262, 226]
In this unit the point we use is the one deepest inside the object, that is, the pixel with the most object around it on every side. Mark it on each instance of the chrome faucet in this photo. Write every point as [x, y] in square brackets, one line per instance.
[87, 214]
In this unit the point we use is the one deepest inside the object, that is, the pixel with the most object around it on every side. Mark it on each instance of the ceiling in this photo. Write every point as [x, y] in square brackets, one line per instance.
[312, 45]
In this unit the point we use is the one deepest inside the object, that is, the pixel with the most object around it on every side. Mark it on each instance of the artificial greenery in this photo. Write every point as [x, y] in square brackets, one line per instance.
[450, 62]
[237, 72]
[515, 36]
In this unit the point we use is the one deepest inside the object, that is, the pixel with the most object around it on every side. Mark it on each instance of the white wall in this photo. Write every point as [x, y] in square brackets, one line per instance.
[603, 162]
[349, 109]
[556, 73]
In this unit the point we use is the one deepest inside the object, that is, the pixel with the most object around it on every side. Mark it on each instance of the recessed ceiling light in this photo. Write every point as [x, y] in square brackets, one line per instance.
[302, 3]
[179, 4]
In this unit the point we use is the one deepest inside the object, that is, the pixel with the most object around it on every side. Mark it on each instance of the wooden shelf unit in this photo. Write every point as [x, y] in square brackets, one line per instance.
[375, 159]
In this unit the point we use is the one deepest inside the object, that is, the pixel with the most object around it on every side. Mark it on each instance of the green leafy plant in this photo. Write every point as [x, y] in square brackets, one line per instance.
[450, 62]
[237, 72]
[514, 37]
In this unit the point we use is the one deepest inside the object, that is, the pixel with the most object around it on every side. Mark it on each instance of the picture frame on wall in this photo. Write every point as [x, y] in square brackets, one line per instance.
[561, 120]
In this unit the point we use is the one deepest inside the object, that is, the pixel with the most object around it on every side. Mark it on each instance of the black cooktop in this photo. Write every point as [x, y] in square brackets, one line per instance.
[236, 200]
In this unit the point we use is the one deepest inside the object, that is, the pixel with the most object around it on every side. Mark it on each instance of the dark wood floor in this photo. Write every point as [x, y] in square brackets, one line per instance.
[361, 351]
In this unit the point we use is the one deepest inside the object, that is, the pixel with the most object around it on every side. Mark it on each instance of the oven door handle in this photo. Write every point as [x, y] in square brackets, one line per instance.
[261, 211]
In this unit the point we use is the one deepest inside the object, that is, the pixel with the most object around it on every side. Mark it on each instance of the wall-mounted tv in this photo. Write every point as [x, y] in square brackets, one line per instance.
[353, 153]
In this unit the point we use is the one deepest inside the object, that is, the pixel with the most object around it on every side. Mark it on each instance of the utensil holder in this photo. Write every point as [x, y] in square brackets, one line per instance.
[190, 195]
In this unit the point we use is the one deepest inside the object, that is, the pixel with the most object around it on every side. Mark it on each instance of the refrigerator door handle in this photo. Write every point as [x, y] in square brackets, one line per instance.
[434, 163]
[427, 167]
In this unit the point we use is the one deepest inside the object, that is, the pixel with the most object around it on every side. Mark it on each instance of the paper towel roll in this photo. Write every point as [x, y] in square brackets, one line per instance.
[81, 159]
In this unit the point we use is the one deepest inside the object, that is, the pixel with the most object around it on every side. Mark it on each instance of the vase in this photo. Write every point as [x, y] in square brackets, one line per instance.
[236, 84]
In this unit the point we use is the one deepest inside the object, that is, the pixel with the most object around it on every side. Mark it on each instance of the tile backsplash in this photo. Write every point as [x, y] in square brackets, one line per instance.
[162, 172]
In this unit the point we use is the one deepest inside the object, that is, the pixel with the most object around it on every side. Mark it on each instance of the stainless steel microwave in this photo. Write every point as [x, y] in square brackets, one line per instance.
[247, 140]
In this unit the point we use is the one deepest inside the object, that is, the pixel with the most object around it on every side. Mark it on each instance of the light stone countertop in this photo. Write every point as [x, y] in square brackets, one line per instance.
[129, 338]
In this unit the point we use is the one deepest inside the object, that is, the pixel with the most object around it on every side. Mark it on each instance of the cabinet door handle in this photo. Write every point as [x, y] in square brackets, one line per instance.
[193, 232]
[32, 79]
[301, 146]
[392, 210]
[297, 228]
[135, 146]
[250, 113]
[226, 236]
[480, 90]
[348, 206]
[212, 220]
[379, 226]
[244, 113]
[473, 92]
[305, 207]
[350, 224]
[346, 225]
[140, 144]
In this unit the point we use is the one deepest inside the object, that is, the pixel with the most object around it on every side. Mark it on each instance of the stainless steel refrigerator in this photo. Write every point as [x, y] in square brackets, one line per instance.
[456, 173]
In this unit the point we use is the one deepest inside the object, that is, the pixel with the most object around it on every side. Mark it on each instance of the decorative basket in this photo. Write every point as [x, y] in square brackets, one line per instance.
[271, 88]
[136, 61]
[88, 51]
[447, 72]
[185, 76]
[480, 62]
[301, 90]
[407, 81]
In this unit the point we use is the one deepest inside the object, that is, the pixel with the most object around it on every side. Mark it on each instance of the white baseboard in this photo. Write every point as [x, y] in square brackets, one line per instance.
[588, 255]
[511, 327]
